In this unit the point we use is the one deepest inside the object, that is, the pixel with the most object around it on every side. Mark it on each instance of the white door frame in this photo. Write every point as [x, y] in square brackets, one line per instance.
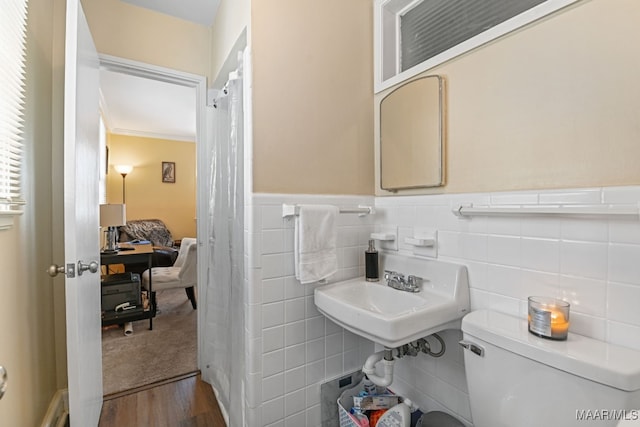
[199, 83]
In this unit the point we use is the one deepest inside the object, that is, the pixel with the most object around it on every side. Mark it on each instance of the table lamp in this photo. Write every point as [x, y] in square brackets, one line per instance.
[112, 216]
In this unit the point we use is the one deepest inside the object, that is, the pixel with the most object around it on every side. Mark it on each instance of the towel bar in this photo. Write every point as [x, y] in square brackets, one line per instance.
[292, 210]
[585, 211]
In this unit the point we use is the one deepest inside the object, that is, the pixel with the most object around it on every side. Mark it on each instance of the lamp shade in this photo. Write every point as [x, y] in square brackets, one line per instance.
[124, 169]
[113, 215]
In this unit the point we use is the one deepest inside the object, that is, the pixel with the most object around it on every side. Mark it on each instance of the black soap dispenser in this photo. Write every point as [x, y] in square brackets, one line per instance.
[371, 263]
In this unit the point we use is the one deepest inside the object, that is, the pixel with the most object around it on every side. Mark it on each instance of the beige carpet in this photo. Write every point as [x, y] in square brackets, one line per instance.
[146, 357]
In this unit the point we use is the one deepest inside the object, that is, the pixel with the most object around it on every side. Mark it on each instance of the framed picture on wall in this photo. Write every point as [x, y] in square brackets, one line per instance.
[169, 172]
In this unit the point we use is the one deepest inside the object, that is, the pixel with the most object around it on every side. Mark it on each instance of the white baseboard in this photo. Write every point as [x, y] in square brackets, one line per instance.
[58, 412]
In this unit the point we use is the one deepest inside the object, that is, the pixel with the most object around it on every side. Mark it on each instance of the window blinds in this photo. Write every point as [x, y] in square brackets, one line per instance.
[13, 27]
[433, 26]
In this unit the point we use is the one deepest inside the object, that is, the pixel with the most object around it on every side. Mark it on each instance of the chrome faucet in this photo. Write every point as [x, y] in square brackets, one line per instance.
[397, 281]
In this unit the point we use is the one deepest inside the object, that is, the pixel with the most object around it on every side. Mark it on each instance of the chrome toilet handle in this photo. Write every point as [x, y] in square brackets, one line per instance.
[474, 348]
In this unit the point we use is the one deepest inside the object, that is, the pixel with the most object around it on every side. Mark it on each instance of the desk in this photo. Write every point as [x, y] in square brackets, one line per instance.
[139, 253]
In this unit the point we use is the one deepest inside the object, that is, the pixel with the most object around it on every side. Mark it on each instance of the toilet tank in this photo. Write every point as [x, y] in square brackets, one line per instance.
[516, 379]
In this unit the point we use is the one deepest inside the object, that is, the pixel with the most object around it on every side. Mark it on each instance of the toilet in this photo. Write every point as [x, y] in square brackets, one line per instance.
[516, 379]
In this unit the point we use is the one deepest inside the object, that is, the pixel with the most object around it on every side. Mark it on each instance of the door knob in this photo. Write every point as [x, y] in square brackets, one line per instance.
[55, 269]
[69, 270]
[92, 267]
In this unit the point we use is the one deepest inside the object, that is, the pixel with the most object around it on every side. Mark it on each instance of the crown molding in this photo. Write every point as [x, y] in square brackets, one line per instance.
[154, 135]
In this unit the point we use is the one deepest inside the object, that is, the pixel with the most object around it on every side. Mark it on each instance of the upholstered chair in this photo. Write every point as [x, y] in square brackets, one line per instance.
[183, 273]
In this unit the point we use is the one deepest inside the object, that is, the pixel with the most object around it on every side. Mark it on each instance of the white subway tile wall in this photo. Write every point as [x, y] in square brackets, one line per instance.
[593, 264]
[292, 348]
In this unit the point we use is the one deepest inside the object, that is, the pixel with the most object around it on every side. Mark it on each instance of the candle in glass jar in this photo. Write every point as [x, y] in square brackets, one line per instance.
[548, 318]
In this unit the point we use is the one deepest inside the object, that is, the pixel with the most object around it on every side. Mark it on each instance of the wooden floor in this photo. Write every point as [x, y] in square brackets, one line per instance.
[187, 402]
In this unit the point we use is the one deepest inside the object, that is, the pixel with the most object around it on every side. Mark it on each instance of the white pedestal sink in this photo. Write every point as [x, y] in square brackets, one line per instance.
[393, 317]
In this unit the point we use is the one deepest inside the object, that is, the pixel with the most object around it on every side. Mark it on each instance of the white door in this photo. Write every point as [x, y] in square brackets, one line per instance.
[81, 226]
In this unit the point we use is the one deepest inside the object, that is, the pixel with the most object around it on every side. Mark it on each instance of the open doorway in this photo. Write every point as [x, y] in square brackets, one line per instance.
[152, 124]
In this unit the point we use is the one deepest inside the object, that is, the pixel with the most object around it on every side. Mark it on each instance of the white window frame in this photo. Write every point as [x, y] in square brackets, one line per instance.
[13, 34]
[387, 29]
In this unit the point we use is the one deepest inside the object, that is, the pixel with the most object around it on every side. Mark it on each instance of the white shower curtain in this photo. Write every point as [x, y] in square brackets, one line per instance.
[223, 336]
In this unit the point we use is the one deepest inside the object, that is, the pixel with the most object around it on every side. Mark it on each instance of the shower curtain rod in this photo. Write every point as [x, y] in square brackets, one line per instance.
[294, 210]
[224, 90]
[233, 75]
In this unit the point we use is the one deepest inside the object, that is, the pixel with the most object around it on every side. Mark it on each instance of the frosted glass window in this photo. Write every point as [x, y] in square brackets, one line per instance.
[433, 26]
[412, 36]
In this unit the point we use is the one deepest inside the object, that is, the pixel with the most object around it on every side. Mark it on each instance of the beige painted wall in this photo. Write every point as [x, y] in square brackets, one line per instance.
[27, 347]
[554, 105]
[147, 196]
[132, 32]
[312, 96]
[231, 19]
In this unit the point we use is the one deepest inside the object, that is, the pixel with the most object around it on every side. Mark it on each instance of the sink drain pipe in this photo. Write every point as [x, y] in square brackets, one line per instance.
[386, 356]
[369, 367]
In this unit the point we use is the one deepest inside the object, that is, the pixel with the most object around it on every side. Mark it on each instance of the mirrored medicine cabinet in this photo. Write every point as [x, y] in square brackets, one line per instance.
[411, 135]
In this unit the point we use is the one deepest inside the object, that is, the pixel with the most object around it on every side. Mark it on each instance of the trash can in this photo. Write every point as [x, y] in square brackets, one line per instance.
[438, 419]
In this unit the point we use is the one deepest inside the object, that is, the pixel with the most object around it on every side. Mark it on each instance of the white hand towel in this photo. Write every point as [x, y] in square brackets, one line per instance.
[315, 248]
